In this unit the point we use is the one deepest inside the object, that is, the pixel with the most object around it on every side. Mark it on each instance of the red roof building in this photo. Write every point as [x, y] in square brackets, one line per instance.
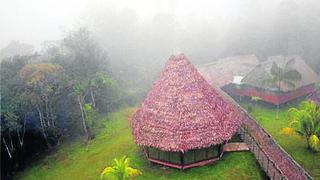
[184, 122]
[243, 76]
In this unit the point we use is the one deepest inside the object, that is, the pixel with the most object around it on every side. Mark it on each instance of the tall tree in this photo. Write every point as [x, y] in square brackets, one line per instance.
[45, 83]
[79, 89]
[83, 57]
[283, 76]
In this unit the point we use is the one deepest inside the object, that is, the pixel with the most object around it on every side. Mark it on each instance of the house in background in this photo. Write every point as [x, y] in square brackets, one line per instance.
[254, 83]
[226, 71]
[184, 122]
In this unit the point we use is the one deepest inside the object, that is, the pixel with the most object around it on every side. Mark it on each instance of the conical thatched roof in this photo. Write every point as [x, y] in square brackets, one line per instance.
[182, 111]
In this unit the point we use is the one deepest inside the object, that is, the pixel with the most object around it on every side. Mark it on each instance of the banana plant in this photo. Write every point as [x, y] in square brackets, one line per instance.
[305, 121]
[120, 170]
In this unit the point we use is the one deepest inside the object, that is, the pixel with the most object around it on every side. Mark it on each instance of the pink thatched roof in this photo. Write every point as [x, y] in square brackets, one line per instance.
[182, 111]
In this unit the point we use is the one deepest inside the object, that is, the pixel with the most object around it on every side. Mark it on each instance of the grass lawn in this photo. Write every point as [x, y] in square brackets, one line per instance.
[78, 161]
[294, 145]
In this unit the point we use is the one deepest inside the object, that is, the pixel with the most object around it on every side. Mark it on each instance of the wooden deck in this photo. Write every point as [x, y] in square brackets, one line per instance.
[232, 147]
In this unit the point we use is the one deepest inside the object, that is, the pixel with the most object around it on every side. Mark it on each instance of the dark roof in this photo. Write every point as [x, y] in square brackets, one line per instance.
[261, 72]
[182, 111]
[222, 72]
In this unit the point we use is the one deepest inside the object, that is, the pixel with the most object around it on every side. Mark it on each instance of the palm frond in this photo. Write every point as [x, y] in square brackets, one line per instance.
[290, 84]
[290, 63]
[275, 69]
[305, 120]
[107, 171]
[292, 75]
[269, 81]
[121, 169]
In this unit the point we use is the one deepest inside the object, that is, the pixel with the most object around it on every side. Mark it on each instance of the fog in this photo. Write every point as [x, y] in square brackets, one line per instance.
[140, 35]
[66, 64]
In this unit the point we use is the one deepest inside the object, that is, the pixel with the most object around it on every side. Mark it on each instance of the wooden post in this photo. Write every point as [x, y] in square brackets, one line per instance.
[181, 158]
[146, 149]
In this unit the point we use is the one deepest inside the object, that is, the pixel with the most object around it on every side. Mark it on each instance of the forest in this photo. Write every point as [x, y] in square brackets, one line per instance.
[54, 96]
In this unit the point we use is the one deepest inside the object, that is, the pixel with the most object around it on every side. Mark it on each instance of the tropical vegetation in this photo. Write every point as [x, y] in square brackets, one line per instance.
[52, 97]
[120, 170]
[291, 142]
[305, 120]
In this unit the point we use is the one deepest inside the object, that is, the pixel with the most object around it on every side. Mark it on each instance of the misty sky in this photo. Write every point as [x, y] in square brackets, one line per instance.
[33, 21]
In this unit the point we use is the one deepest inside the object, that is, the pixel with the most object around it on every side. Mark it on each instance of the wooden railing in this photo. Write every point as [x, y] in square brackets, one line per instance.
[274, 160]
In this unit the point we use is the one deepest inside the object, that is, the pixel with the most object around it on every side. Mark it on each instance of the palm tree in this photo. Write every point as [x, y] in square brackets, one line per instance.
[305, 120]
[120, 170]
[283, 75]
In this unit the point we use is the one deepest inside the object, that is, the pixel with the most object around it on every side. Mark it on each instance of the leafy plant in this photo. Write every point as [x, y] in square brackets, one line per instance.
[120, 170]
[287, 131]
[255, 98]
[305, 120]
[314, 143]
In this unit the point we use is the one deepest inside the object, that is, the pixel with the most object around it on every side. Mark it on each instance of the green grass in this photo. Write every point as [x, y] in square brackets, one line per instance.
[79, 161]
[295, 145]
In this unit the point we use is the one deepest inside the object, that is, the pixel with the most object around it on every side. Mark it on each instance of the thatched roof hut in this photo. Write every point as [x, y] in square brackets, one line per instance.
[184, 121]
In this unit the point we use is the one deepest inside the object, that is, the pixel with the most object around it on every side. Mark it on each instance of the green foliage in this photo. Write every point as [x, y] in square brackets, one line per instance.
[44, 97]
[102, 80]
[255, 98]
[121, 170]
[91, 114]
[35, 74]
[10, 120]
[314, 143]
[80, 87]
[305, 120]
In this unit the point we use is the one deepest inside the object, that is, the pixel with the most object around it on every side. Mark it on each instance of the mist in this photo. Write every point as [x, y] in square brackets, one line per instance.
[203, 30]
[140, 35]
[71, 68]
